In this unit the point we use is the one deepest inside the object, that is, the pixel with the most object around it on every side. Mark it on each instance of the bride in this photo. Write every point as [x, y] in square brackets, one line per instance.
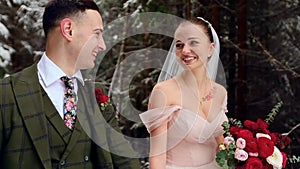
[187, 107]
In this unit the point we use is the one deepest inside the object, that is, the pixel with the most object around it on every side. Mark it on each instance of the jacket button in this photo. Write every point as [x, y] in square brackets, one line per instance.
[86, 158]
[63, 162]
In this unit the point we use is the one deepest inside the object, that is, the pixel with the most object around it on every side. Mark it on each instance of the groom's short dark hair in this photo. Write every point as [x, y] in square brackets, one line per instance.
[56, 10]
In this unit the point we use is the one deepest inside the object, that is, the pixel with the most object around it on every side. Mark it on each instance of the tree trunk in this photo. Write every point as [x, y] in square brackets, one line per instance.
[216, 16]
[241, 61]
[187, 9]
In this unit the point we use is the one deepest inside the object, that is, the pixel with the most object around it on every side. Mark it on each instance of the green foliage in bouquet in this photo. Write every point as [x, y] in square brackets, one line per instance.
[225, 157]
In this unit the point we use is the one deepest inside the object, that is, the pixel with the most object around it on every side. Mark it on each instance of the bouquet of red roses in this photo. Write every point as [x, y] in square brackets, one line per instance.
[252, 146]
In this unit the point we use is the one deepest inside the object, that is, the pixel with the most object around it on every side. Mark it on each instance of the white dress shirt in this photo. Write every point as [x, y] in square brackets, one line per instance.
[49, 77]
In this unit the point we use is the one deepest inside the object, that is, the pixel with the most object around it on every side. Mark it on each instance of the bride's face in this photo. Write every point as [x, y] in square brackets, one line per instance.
[193, 47]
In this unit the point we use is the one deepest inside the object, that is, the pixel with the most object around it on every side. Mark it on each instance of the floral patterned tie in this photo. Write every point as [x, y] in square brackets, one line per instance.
[70, 102]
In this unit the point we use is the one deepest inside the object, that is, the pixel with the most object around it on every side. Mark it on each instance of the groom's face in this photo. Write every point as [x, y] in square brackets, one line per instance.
[90, 39]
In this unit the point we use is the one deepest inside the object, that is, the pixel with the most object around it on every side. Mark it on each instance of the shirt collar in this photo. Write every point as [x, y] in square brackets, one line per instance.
[50, 72]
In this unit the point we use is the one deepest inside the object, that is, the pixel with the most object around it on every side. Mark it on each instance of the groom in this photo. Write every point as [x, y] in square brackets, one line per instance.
[32, 108]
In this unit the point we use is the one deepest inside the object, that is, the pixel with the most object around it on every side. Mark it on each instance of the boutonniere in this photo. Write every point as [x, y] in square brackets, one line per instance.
[102, 99]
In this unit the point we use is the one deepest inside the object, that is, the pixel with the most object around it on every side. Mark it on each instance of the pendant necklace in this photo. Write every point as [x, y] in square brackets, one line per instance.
[205, 98]
[209, 96]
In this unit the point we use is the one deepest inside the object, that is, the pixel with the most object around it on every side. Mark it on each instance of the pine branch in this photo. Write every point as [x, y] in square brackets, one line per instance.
[235, 122]
[273, 113]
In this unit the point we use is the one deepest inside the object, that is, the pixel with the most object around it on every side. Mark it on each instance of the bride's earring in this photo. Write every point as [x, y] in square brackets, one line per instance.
[208, 57]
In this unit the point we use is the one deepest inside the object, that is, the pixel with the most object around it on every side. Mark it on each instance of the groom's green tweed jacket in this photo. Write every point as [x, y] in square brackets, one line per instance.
[33, 135]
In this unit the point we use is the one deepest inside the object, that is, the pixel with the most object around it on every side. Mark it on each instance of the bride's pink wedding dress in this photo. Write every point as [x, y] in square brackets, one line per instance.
[191, 140]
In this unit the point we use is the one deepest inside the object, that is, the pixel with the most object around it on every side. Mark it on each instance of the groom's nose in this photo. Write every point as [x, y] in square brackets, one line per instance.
[101, 44]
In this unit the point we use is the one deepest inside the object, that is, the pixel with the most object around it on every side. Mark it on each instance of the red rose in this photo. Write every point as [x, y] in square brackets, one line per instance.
[244, 133]
[267, 165]
[275, 136]
[234, 130]
[262, 126]
[286, 140]
[254, 163]
[251, 145]
[265, 147]
[100, 96]
[280, 145]
[250, 125]
[280, 140]
[284, 159]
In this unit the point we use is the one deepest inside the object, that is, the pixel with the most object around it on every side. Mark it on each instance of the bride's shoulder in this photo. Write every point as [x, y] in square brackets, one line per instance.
[163, 94]
[220, 90]
[167, 85]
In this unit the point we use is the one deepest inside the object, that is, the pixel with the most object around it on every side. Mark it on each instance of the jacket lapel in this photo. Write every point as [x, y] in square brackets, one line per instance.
[55, 119]
[90, 117]
[29, 100]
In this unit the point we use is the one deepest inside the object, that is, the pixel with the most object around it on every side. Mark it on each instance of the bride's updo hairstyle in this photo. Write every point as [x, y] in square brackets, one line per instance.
[205, 25]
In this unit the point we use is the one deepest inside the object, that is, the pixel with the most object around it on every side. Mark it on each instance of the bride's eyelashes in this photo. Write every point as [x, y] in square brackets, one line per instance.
[191, 43]
[179, 45]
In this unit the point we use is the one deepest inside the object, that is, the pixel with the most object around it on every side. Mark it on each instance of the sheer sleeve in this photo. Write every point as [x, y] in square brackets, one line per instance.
[180, 123]
[155, 117]
[219, 130]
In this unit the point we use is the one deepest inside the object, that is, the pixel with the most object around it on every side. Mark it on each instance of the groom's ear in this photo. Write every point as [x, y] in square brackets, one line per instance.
[66, 26]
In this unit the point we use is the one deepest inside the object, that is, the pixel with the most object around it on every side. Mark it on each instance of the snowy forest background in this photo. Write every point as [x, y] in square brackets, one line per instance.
[260, 52]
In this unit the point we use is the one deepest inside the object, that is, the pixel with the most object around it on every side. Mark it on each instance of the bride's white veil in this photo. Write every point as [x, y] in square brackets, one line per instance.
[172, 68]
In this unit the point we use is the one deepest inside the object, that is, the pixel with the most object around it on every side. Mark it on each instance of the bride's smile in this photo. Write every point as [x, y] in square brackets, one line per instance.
[189, 59]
